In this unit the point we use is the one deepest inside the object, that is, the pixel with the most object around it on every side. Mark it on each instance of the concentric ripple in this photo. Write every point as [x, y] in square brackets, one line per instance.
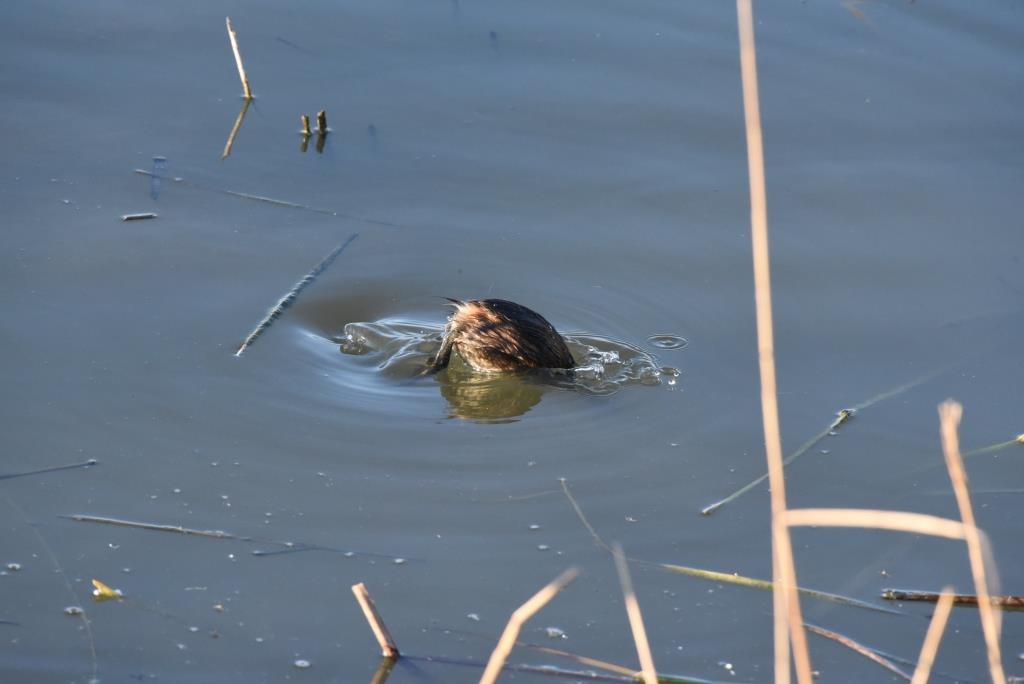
[399, 351]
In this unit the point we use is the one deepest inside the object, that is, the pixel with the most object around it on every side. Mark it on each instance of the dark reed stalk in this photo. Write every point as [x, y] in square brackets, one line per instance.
[1005, 602]
[289, 297]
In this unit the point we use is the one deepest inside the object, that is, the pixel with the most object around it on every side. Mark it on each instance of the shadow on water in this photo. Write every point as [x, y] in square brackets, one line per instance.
[398, 352]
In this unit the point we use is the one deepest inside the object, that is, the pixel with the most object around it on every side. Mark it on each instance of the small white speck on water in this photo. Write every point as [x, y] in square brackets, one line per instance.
[473, 616]
[126, 570]
[534, 527]
[832, 433]
[824, 452]
[193, 629]
[113, 547]
[399, 561]
[224, 497]
[302, 664]
[630, 519]
[543, 547]
[348, 554]
[14, 567]
[727, 667]
[182, 647]
[555, 633]
[73, 611]
[231, 557]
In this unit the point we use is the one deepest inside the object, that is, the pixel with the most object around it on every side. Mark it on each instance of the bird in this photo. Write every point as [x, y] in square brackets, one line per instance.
[496, 335]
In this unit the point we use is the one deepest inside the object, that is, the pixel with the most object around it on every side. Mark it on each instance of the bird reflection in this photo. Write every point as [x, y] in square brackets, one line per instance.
[489, 397]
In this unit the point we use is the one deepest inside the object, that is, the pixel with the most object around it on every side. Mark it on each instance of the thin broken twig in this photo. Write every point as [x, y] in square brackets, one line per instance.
[138, 217]
[293, 294]
[268, 200]
[841, 417]
[52, 469]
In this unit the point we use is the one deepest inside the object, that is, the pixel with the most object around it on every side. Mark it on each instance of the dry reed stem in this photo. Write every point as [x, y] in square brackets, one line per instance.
[899, 521]
[932, 638]
[388, 648]
[238, 59]
[950, 413]
[518, 619]
[636, 620]
[786, 602]
[858, 647]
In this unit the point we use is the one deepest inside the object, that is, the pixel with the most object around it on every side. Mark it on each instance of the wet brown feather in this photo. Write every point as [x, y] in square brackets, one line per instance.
[499, 335]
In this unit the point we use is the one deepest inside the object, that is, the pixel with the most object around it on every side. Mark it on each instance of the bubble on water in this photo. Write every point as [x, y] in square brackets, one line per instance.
[667, 341]
[302, 664]
[399, 561]
[534, 527]
[543, 547]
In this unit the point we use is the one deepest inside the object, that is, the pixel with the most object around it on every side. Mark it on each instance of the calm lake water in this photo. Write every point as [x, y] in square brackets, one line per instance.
[585, 159]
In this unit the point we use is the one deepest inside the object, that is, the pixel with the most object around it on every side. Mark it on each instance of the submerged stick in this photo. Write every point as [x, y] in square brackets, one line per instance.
[388, 648]
[1009, 602]
[221, 534]
[293, 294]
[52, 469]
[636, 620]
[930, 646]
[321, 122]
[268, 200]
[950, 413]
[233, 37]
[234, 129]
[841, 417]
[857, 647]
[518, 619]
[81, 613]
